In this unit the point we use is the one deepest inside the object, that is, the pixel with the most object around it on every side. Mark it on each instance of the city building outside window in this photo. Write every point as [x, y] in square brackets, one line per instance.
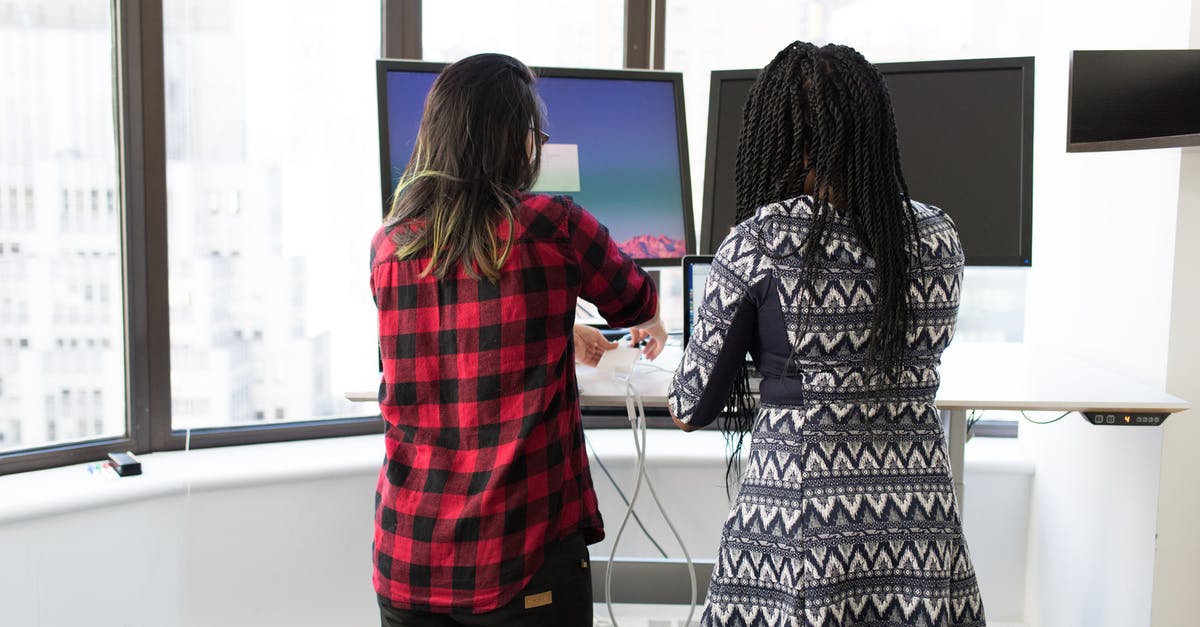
[61, 324]
[273, 187]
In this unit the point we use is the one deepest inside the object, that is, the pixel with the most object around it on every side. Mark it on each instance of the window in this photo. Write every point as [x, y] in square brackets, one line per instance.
[273, 191]
[56, 139]
[538, 32]
[706, 35]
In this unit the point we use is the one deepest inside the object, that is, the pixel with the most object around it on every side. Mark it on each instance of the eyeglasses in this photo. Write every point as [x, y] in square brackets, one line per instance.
[543, 136]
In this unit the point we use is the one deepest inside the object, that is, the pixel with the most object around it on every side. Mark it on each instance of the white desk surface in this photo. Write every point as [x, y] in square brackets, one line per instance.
[974, 376]
[1020, 376]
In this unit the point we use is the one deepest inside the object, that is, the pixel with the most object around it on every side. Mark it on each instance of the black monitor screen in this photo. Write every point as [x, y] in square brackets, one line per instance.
[1128, 99]
[966, 142]
[617, 146]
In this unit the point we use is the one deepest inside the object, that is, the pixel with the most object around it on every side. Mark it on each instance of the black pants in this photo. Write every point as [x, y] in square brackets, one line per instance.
[565, 580]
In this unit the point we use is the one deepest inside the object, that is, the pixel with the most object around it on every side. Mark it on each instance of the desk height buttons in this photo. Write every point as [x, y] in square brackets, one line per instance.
[1125, 419]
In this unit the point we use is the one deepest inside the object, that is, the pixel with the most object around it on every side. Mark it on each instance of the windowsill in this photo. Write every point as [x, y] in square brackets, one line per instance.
[62, 490]
[66, 489]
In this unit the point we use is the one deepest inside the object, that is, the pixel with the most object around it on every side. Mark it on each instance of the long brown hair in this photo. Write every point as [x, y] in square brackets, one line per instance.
[471, 157]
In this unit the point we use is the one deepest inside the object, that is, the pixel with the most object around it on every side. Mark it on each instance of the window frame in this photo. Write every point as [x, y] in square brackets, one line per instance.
[139, 98]
[130, 23]
[645, 34]
[399, 14]
[140, 112]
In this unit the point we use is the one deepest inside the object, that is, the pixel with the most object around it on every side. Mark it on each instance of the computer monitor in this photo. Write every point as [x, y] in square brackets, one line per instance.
[1131, 99]
[618, 147]
[966, 140]
[695, 273]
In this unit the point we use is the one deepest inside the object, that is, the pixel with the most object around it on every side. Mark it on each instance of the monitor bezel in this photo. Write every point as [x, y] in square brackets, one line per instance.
[1024, 257]
[383, 66]
[707, 214]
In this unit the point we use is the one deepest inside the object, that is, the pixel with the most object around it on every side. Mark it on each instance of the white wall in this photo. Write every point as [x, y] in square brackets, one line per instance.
[114, 566]
[280, 534]
[1103, 228]
[1178, 549]
[289, 553]
[284, 553]
[1103, 222]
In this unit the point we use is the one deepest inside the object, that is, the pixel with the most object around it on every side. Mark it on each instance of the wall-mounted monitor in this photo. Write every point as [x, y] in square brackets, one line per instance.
[1132, 99]
[966, 140]
[618, 147]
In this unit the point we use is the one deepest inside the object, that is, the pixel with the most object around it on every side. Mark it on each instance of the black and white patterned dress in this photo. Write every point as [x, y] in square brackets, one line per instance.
[846, 513]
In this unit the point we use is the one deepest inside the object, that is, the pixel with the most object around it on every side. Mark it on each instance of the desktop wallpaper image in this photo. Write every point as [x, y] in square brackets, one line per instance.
[628, 153]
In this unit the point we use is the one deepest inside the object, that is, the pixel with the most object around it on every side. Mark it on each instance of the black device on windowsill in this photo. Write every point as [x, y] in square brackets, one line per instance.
[125, 464]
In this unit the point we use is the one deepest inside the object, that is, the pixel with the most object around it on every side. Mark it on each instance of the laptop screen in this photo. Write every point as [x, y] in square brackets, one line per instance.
[695, 273]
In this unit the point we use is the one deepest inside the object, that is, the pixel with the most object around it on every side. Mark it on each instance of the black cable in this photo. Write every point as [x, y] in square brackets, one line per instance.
[1046, 422]
[622, 495]
[973, 417]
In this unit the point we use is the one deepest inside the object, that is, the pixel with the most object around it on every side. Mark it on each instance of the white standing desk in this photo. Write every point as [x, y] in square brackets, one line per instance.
[975, 376]
[1021, 377]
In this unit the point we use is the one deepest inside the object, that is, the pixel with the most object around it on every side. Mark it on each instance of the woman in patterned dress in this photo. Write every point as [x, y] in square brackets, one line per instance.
[844, 291]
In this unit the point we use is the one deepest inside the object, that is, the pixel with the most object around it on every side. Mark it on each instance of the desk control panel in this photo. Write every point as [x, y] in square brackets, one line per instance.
[1126, 419]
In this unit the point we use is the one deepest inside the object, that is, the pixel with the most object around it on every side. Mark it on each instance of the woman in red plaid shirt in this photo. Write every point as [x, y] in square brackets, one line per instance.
[484, 505]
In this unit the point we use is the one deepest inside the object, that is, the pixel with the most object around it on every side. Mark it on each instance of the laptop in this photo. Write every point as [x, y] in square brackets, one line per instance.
[695, 274]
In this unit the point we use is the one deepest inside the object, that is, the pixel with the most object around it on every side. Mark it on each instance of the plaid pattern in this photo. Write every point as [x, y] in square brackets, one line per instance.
[485, 460]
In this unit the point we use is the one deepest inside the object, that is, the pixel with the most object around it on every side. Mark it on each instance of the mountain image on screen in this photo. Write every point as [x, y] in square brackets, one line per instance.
[653, 247]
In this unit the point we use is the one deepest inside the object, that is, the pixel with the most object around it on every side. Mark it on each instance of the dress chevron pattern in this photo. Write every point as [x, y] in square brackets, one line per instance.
[846, 513]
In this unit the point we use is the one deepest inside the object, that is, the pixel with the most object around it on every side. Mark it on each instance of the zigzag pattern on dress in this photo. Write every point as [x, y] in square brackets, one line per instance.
[846, 514]
[779, 419]
[774, 460]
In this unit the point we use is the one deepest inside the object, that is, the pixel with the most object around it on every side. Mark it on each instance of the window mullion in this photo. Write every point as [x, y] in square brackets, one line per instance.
[141, 145]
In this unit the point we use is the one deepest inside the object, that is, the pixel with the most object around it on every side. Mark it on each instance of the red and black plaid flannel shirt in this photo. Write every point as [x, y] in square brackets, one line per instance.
[485, 456]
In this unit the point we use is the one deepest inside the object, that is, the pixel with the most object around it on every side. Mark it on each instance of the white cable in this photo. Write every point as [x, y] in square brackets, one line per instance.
[187, 463]
[646, 364]
[637, 487]
[637, 418]
[654, 494]
[188, 470]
